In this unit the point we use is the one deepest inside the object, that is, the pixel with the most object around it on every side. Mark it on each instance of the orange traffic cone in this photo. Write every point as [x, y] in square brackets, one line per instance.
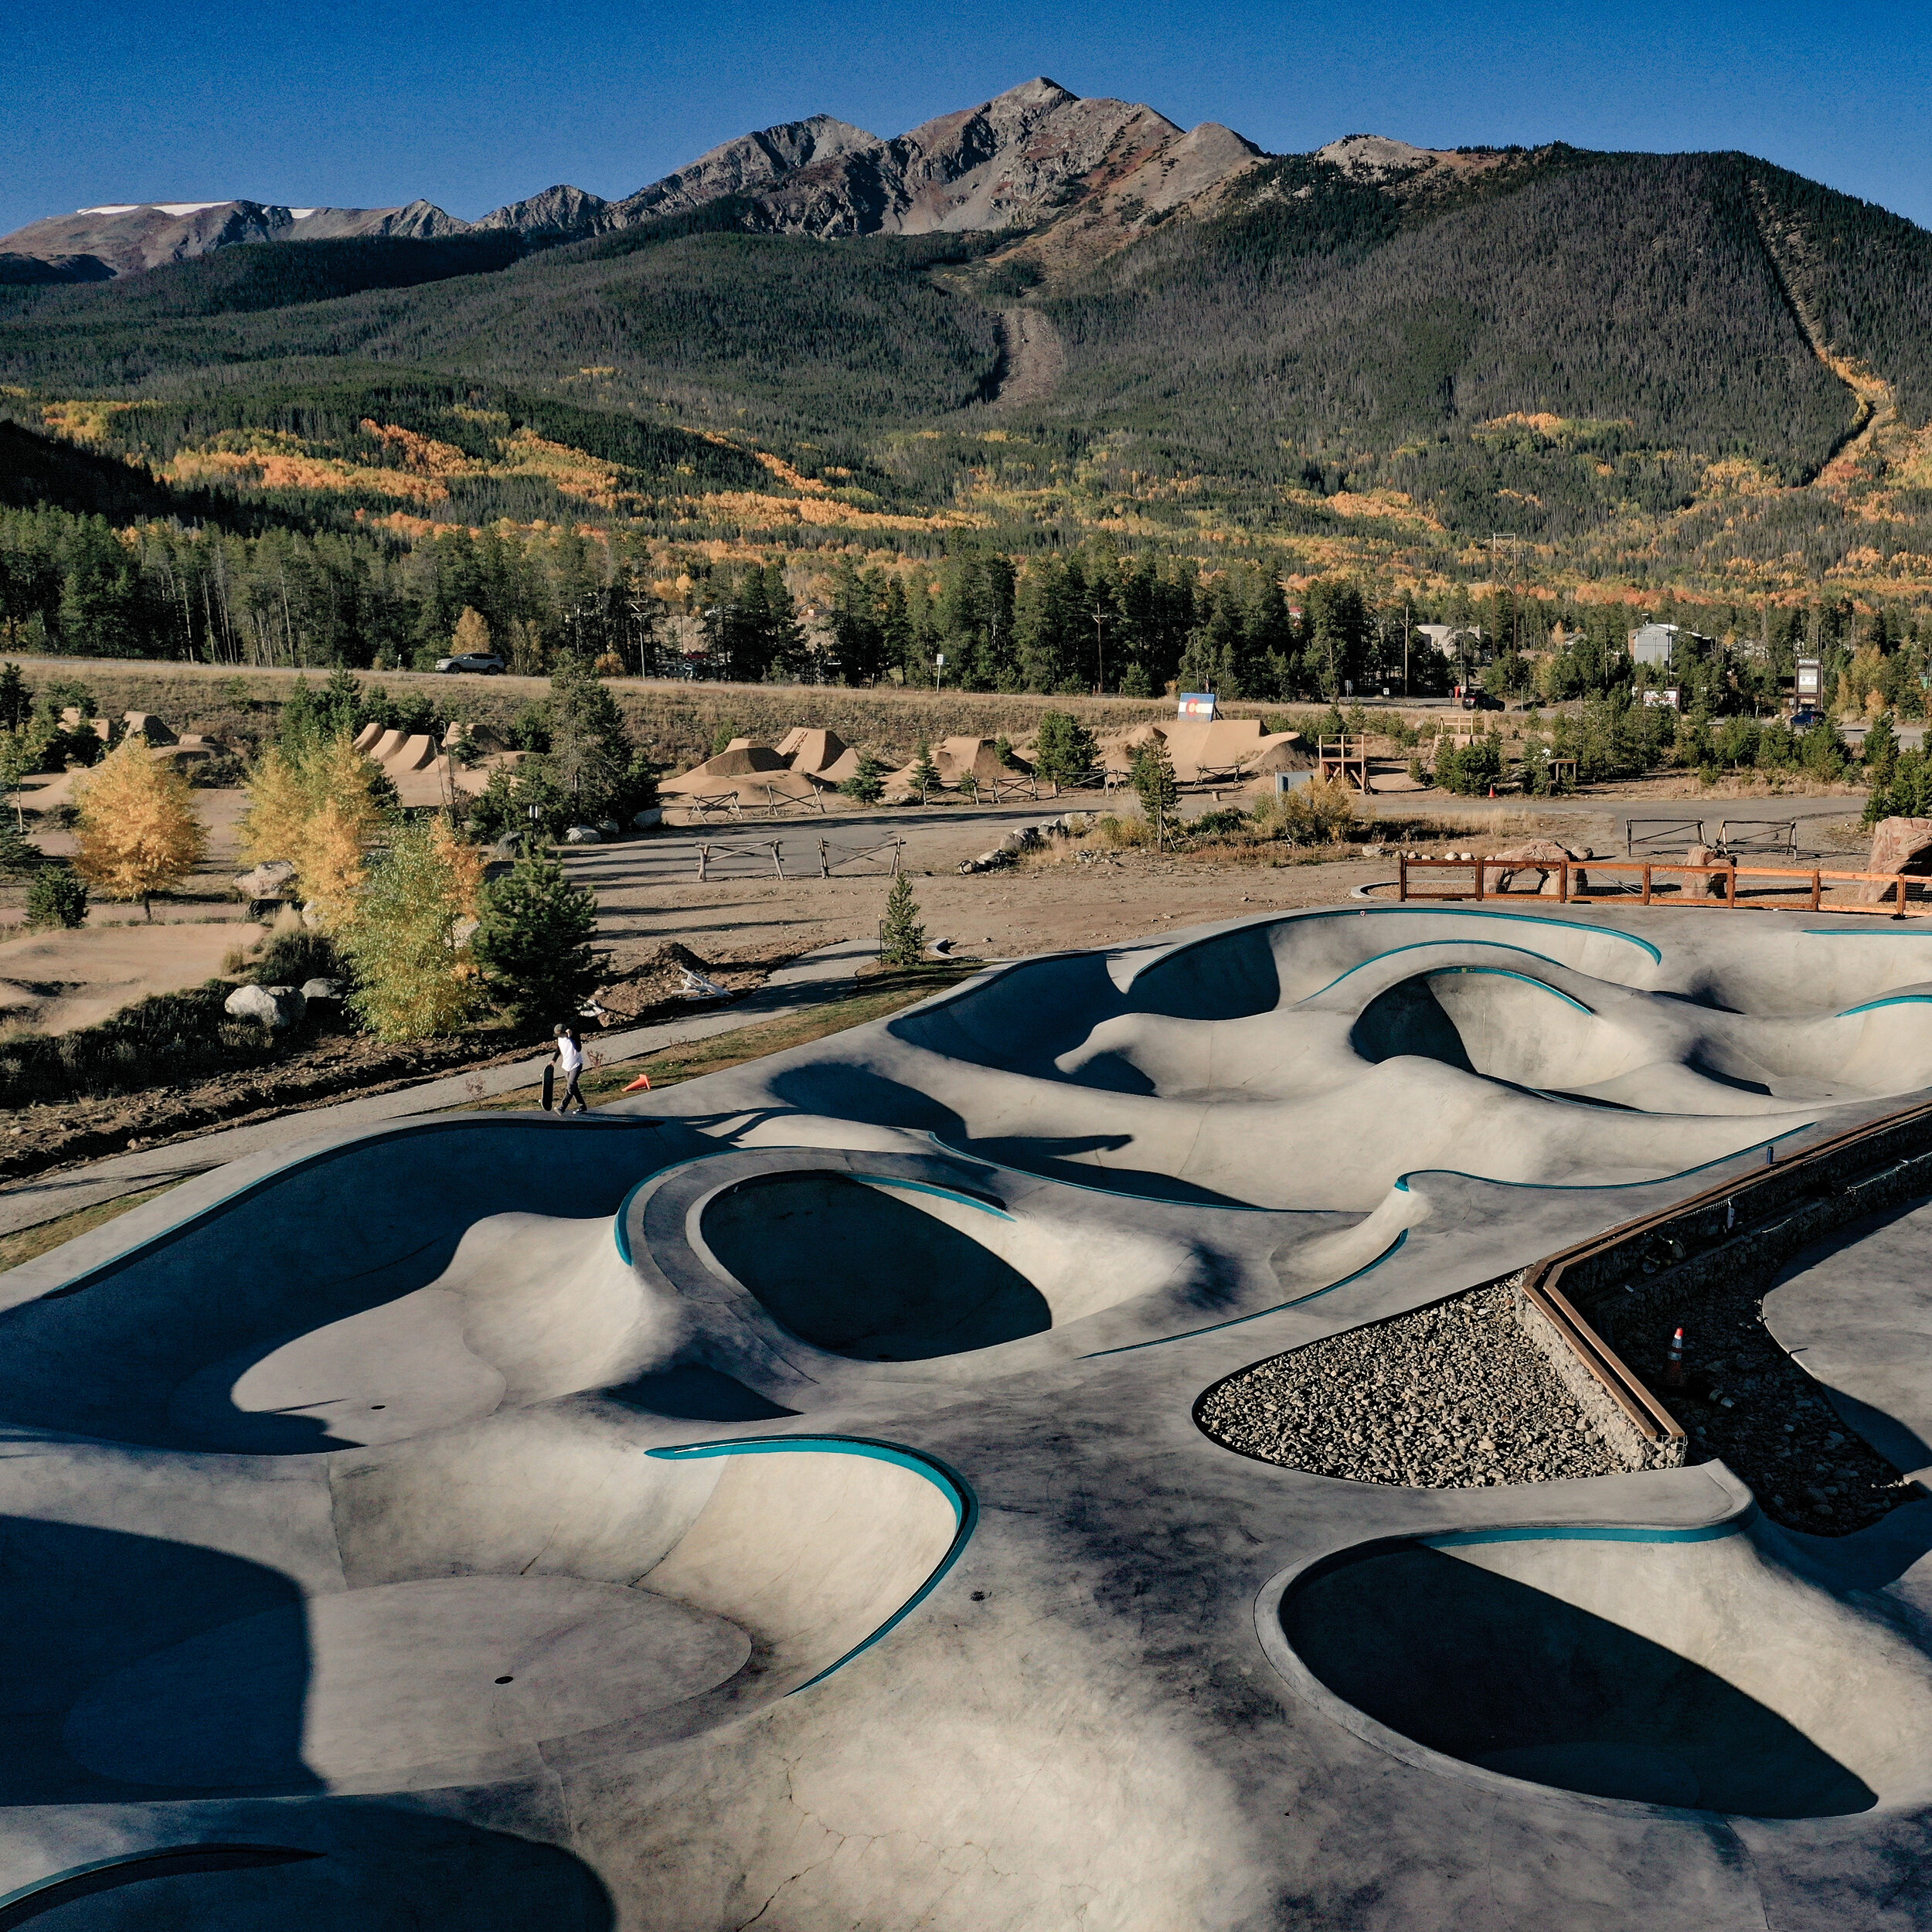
[642, 1082]
[1673, 1361]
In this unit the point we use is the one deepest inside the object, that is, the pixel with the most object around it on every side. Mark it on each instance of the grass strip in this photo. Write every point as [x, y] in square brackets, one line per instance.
[29, 1244]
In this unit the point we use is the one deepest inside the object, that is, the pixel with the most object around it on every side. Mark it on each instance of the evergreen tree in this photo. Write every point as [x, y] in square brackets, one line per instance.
[903, 940]
[1064, 750]
[589, 753]
[1881, 750]
[1154, 785]
[924, 777]
[534, 943]
[58, 896]
[868, 782]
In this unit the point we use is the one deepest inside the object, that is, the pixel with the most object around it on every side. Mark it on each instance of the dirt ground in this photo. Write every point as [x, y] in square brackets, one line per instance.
[205, 896]
[54, 982]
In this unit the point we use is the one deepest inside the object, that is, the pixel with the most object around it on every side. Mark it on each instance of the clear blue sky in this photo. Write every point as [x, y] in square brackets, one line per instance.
[329, 101]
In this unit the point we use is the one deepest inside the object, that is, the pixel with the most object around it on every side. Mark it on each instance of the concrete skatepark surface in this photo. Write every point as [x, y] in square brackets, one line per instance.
[779, 1501]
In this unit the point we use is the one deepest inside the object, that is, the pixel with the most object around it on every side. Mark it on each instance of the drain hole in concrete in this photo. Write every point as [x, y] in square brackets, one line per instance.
[506, 1680]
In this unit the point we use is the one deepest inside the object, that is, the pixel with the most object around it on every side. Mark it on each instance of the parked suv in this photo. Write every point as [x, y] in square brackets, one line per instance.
[482, 661]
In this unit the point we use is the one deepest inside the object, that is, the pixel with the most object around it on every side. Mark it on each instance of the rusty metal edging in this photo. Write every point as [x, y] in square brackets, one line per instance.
[1540, 1283]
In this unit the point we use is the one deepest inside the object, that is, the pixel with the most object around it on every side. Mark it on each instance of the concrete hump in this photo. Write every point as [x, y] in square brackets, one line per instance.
[386, 747]
[365, 739]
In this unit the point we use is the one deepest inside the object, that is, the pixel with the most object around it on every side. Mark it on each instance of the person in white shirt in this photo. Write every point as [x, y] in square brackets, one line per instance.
[569, 1060]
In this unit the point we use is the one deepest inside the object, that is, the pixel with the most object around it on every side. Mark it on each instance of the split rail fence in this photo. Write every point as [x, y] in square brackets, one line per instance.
[1573, 876]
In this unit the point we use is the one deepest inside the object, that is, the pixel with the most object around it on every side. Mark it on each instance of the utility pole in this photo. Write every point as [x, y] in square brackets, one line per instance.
[1100, 659]
[1405, 646]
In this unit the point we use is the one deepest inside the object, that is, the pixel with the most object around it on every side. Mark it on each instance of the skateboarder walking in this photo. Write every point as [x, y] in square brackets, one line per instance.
[569, 1062]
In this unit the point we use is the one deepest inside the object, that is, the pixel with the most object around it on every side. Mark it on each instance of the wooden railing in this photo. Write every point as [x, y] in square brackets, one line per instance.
[1572, 876]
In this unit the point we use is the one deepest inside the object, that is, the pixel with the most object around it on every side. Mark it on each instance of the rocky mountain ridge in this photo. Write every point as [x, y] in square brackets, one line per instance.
[1023, 156]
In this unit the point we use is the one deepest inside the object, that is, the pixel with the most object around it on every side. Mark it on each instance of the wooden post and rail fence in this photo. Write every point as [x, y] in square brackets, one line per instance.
[1573, 876]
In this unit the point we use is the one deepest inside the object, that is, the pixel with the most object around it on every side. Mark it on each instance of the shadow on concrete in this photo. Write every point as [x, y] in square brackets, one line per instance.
[855, 1271]
[322, 1868]
[86, 1603]
[1484, 1668]
[694, 1393]
[311, 1245]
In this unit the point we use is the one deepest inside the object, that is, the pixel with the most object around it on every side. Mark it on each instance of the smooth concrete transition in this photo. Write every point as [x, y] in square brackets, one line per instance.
[778, 1502]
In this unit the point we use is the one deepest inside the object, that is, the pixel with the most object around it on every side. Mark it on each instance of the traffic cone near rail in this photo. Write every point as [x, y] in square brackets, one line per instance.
[1673, 1361]
[642, 1083]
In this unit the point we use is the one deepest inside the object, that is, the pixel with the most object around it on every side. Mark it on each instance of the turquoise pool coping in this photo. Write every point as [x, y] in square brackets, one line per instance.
[944, 1478]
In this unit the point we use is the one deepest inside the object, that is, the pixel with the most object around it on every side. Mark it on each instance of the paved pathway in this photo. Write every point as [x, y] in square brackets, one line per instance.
[824, 975]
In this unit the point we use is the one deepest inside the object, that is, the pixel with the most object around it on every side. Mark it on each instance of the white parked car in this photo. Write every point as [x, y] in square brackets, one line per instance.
[483, 661]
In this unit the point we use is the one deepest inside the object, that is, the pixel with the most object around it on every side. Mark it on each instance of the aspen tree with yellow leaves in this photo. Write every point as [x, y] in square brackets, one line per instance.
[406, 934]
[316, 806]
[138, 830]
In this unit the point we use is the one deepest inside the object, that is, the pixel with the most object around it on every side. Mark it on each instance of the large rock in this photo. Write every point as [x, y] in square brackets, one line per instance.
[1712, 884]
[268, 880]
[275, 1007]
[582, 836]
[1542, 856]
[322, 989]
[1898, 845]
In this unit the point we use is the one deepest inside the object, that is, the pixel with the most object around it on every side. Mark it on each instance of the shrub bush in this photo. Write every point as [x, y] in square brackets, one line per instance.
[58, 896]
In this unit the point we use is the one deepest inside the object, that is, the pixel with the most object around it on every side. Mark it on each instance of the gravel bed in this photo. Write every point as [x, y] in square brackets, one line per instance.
[1451, 1397]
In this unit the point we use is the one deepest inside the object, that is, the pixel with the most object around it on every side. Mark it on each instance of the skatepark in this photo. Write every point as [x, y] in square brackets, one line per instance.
[798, 1499]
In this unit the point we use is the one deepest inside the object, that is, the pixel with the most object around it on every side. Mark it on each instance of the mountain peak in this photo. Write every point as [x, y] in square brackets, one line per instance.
[1376, 157]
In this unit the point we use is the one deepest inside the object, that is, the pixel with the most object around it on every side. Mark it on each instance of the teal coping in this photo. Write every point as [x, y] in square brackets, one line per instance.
[1891, 999]
[1446, 912]
[622, 1231]
[944, 1193]
[1608, 1187]
[1424, 945]
[1586, 1532]
[1235, 1322]
[1529, 979]
[947, 1480]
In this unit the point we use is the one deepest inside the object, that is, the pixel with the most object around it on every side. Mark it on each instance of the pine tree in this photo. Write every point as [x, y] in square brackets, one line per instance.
[1156, 785]
[924, 775]
[534, 944]
[1064, 750]
[868, 782]
[56, 897]
[138, 830]
[902, 941]
[413, 977]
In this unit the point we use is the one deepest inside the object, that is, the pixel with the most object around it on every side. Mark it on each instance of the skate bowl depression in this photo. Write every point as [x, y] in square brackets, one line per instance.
[777, 1498]
[1701, 1672]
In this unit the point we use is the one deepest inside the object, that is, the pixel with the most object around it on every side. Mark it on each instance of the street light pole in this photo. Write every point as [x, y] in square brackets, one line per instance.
[1100, 660]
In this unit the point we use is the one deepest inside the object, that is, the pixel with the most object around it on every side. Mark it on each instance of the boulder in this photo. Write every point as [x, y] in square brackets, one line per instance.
[610, 828]
[1898, 845]
[582, 836]
[1711, 885]
[651, 815]
[322, 989]
[1542, 856]
[275, 1007]
[268, 880]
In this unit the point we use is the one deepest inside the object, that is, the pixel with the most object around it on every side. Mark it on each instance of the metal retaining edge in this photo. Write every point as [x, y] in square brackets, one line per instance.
[1541, 1288]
